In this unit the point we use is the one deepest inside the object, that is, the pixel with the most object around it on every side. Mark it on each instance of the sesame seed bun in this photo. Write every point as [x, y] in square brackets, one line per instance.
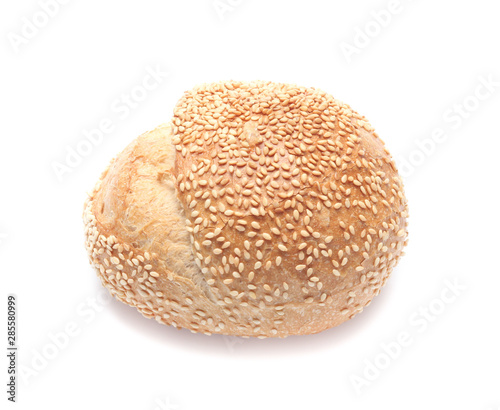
[261, 209]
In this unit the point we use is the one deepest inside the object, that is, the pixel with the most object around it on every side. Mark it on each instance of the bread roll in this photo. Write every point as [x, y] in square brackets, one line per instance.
[261, 209]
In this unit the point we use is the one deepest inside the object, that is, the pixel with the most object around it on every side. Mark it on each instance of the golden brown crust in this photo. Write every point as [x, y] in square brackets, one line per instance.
[278, 212]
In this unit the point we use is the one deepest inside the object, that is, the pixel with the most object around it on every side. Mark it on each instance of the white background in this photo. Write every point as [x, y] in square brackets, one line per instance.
[410, 76]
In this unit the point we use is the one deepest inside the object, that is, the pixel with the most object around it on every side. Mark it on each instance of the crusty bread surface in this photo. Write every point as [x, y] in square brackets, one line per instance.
[261, 209]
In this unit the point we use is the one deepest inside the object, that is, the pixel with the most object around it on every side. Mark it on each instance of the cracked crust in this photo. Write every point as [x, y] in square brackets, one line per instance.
[178, 230]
